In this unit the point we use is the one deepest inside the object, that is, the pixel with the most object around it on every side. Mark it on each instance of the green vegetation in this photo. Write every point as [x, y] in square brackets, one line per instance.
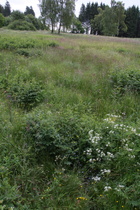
[69, 122]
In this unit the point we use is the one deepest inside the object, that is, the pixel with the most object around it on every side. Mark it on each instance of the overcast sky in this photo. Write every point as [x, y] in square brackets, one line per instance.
[21, 4]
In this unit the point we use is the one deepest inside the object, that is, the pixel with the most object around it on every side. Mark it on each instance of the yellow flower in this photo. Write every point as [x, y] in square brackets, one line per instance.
[81, 198]
[122, 206]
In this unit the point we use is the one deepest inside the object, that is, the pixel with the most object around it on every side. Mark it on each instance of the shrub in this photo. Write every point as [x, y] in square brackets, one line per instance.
[63, 138]
[21, 25]
[25, 94]
[31, 19]
[17, 15]
[126, 81]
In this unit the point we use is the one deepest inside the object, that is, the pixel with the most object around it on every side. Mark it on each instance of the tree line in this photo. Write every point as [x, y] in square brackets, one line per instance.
[93, 18]
[114, 20]
[18, 20]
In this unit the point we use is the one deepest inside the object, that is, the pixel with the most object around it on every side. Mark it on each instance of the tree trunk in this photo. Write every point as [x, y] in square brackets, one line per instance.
[59, 28]
[52, 29]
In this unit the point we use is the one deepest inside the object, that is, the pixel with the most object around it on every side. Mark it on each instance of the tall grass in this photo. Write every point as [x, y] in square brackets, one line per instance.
[69, 121]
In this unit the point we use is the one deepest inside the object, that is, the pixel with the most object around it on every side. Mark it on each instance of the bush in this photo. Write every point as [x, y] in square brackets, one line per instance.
[21, 25]
[63, 138]
[25, 94]
[126, 81]
[17, 15]
[31, 19]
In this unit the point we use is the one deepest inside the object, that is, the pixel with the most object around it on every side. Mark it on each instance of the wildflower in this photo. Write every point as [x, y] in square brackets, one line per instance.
[103, 171]
[107, 188]
[96, 178]
[111, 131]
[121, 186]
[81, 198]
[89, 151]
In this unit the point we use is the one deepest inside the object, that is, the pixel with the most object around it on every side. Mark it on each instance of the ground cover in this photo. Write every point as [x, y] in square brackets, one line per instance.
[69, 121]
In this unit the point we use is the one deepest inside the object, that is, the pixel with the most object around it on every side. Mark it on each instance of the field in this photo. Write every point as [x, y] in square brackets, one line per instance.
[69, 122]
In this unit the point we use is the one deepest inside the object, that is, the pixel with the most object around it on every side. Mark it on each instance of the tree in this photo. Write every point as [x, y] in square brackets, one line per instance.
[87, 15]
[1, 20]
[111, 20]
[17, 15]
[49, 11]
[7, 9]
[65, 13]
[109, 24]
[82, 15]
[96, 23]
[132, 21]
[31, 19]
[119, 12]
[1, 9]
[77, 26]
[29, 11]
[57, 11]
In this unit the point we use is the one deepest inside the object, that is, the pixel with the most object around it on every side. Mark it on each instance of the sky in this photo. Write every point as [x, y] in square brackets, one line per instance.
[21, 5]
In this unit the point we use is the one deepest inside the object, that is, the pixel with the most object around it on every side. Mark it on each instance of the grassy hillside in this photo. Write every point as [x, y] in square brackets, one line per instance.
[69, 122]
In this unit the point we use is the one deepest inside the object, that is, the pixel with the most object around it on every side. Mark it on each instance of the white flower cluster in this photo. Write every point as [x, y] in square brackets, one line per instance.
[94, 139]
[107, 188]
[88, 151]
[112, 118]
[105, 171]
[119, 187]
[109, 156]
[96, 178]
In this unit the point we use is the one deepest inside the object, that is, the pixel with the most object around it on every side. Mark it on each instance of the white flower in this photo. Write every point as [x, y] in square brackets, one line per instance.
[89, 151]
[96, 178]
[107, 188]
[110, 155]
[103, 171]
[111, 131]
[121, 186]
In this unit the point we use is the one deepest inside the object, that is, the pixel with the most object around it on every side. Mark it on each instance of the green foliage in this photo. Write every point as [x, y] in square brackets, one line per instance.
[77, 26]
[7, 9]
[12, 43]
[29, 11]
[60, 149]
[21, 25]
[7, 20]
[63, 139]
[25, 93]
[17, 15]
[126, 81]
[31, 19]
[2, 19]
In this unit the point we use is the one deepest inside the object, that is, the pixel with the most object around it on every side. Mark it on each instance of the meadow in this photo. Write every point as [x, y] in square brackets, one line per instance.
[69, 122]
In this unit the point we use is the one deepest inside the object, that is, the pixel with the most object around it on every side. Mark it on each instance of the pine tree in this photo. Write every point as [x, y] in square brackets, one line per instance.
[82, 15]
[29, 11]
[1, 9]
[7, 9]
[132, 21]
